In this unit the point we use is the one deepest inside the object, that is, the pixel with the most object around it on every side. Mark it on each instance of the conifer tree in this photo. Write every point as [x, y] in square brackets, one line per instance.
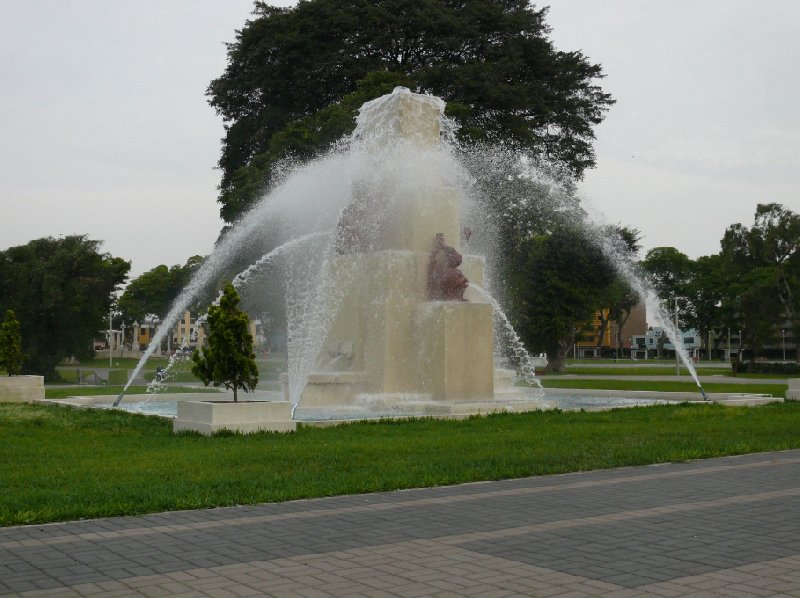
[227, 358]
[11, 355]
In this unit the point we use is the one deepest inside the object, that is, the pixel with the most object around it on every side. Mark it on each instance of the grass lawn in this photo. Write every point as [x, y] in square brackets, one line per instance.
[90, 391]
[643, 371]
[117, 362]
[652, 361]
[776, 390]
[62, 464]
[662, 371]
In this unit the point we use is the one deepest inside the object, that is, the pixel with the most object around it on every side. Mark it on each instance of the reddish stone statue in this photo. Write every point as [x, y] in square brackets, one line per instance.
[445, 281]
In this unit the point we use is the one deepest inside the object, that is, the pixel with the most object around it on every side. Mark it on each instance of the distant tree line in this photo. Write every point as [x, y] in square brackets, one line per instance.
[752, 285]
[151, 294]
[560, 278]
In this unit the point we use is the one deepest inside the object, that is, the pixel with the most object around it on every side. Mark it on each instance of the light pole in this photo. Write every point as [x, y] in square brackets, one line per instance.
[783, 342]
[678, 337]
[122, 338]
[739, 352]
[110, 339]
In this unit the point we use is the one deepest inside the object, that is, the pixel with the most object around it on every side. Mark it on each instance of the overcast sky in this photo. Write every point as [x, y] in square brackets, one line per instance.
[105, 130]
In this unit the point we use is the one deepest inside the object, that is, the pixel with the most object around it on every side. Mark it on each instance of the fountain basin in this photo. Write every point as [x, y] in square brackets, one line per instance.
[793, 394]
[207, 419]
[402, 405]
[653, 396]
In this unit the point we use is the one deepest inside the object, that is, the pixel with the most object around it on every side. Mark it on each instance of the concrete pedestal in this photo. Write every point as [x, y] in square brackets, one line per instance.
[455, 350]
[21, 389]
[793, 394]
[246, 417]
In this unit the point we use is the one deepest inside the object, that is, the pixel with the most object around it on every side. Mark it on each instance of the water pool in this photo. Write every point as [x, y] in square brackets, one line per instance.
[169, 407]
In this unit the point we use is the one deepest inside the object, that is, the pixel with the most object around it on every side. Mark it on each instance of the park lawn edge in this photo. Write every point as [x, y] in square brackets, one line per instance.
[776, 390]
[70, 464]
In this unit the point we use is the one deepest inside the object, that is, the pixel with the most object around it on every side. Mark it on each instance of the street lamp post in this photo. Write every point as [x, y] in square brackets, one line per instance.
[740, 345]
[110, 339]
[677, 338]
[783, 342]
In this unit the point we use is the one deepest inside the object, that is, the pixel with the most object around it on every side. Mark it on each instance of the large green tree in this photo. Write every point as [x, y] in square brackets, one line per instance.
[296, 76]
[556, 282]
[762, 267]
[61, 290]
[227, 358]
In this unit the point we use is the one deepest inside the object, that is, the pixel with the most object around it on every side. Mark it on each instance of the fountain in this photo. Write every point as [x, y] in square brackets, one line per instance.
[389, 318]
[386, 309]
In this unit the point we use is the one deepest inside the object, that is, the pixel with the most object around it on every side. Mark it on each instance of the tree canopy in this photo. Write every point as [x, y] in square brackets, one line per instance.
[153, 292]
[761, 265]
[557, 281]
[61, 290]
[296, 76]
[751, 285]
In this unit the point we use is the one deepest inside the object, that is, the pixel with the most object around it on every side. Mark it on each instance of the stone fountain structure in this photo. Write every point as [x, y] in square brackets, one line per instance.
[403, 334]
[408, 338]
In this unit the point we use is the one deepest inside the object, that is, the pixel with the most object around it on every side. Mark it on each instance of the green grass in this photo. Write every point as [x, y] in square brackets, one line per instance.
[117, 362]
[662, 371]
[621, 360]
[777, 390]
[90, 391]
[642, 371]
[62, 464]
[767, 376]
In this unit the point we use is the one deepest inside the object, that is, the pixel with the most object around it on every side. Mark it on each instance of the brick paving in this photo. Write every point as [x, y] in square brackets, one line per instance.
[719, 527]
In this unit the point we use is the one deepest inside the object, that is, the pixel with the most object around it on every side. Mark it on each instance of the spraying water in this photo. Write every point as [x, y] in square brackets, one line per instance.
[655, 310]
[527, 371]
[194, 288]
[346, 198]
[535, 190]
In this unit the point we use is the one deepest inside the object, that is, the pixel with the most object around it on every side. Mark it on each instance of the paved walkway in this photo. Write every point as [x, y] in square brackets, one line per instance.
[720, 527]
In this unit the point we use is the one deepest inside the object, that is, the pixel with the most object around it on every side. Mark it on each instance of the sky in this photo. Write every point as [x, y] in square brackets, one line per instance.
[105, 129]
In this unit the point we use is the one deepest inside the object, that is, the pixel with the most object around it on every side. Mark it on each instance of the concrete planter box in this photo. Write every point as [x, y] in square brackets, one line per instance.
[246, 417]
[21, 389]
[793, 394]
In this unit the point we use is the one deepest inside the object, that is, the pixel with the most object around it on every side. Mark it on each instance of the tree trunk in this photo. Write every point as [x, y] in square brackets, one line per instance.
[557, 356]
[235, 388]
[601, 332]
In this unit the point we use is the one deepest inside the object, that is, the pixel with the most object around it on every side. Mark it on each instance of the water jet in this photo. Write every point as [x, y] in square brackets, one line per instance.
[385, 303]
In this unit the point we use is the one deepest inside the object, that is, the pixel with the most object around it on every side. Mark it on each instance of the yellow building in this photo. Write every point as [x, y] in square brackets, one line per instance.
[587, 344]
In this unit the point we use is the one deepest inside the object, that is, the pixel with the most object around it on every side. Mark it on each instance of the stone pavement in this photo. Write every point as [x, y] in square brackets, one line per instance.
[719, 527]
